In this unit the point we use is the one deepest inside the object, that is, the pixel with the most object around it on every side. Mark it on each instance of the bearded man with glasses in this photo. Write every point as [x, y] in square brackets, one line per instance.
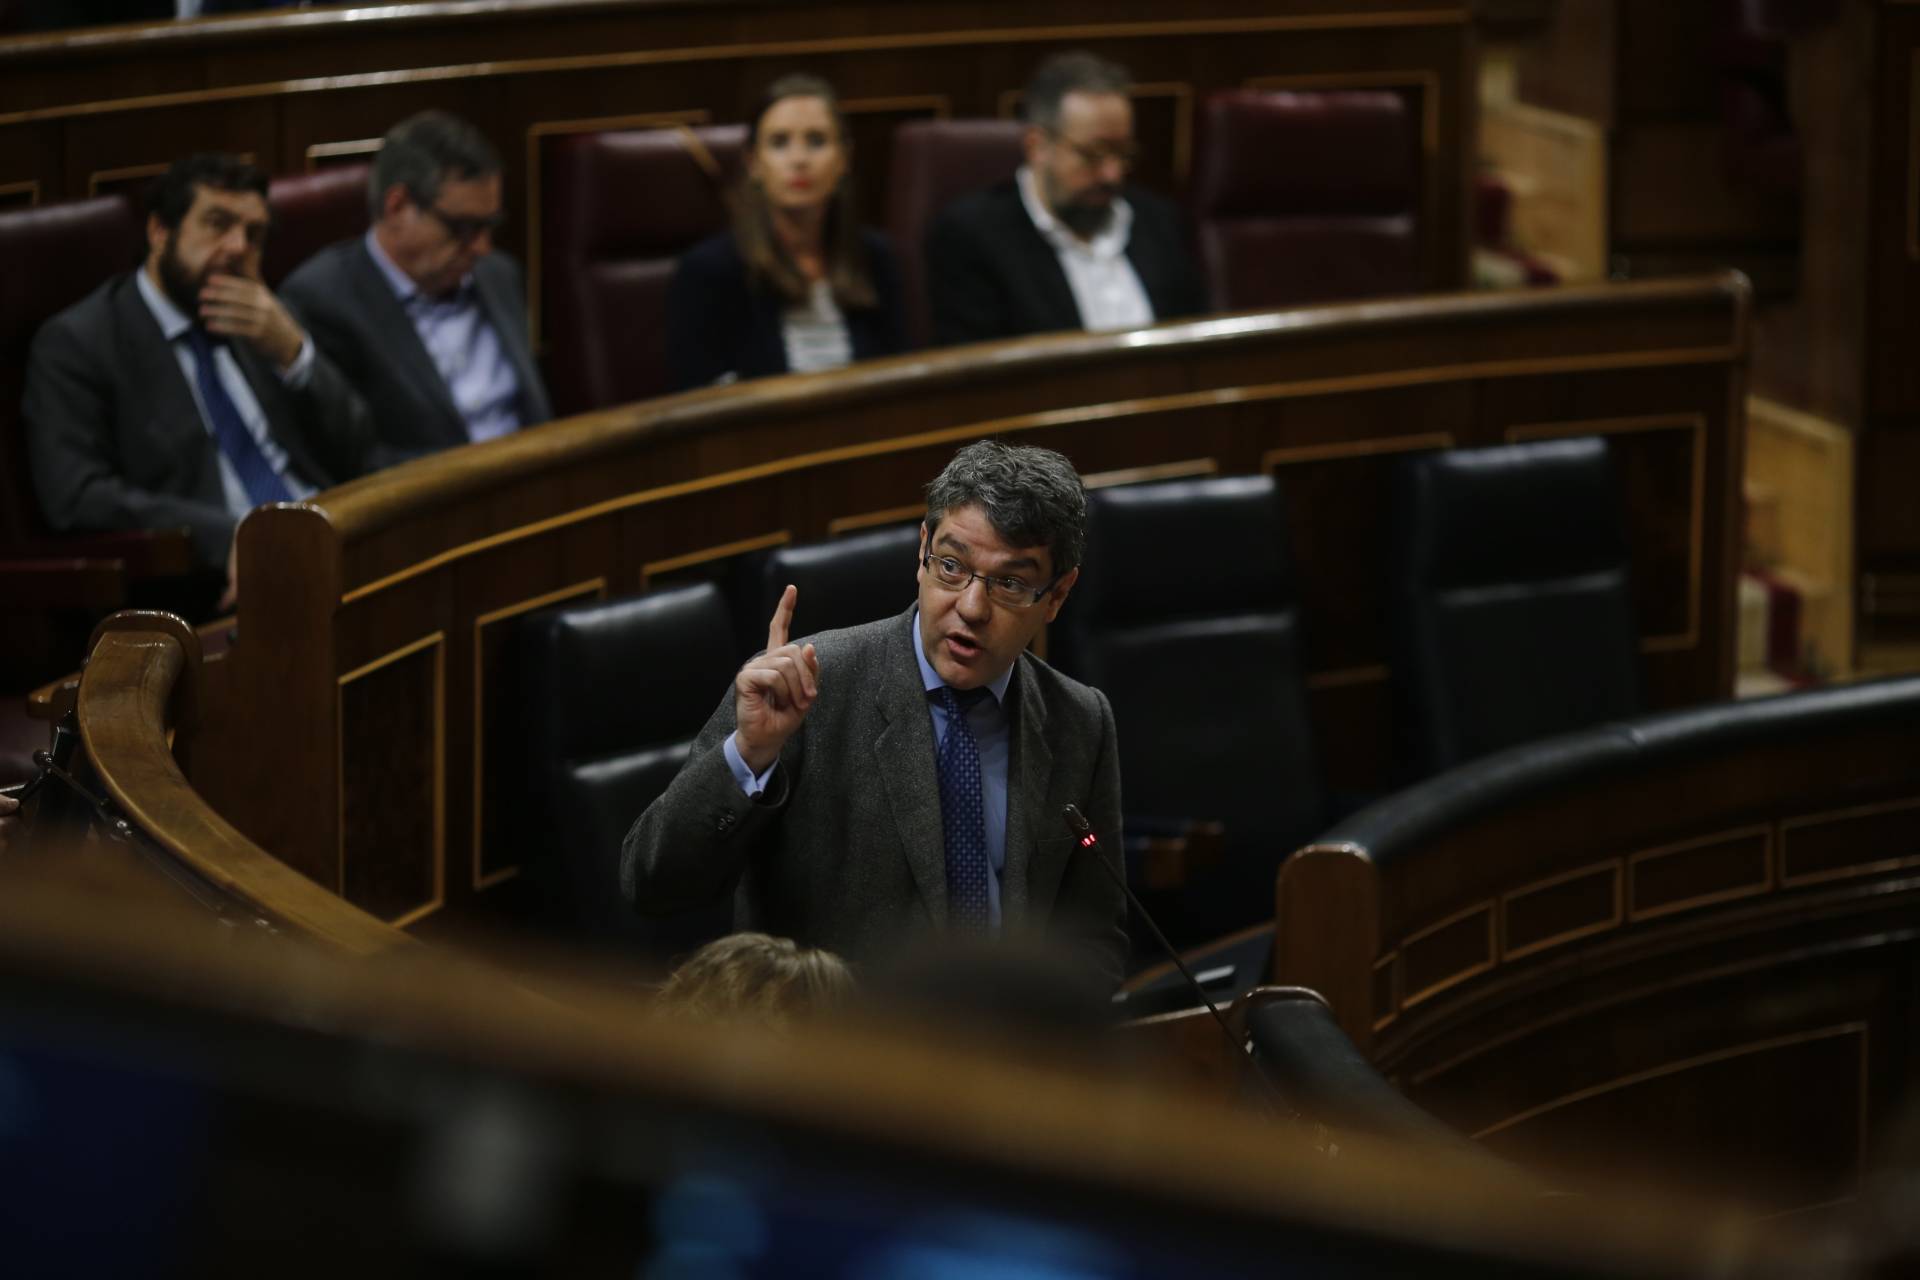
[1066, 243]
[876, 783]
[422, 315]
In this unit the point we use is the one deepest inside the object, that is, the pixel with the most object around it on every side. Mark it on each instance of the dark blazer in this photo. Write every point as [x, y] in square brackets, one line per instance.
[116, 440]
[719, 322]
[348, 306]
[991, 274]
[844, 849]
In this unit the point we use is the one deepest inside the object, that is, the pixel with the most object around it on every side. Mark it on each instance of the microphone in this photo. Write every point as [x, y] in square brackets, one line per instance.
[1084, 834]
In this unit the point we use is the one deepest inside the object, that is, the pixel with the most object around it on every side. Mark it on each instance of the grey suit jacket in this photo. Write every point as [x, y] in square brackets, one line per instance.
[116, 440]
[348, 306]
[844, 849]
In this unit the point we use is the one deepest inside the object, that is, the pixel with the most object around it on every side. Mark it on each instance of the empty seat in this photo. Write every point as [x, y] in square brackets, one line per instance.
[843, 581]
[934, 163]
[1513, 610]
[310, 212]
[1185, 615]
[613, 695]
[1307, 197]
[618, 208]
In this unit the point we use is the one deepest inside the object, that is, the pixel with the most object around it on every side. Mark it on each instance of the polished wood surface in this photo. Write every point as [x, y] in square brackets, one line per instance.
[1698, 961]
[84, 112]
[347, 730]
[142, 680]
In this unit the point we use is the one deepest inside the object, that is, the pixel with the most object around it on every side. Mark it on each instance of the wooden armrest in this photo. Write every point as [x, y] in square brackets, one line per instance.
[41, 583]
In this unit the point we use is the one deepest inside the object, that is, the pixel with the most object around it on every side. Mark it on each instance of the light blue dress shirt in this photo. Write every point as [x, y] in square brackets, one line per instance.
[173, 325]
[992, 733]
[463, 346]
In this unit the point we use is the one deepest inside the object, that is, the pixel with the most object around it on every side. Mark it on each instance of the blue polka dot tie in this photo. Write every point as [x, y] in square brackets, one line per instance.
[961, 814]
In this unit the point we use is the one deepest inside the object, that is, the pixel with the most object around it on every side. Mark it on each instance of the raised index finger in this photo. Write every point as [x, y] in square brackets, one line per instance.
[782, 618]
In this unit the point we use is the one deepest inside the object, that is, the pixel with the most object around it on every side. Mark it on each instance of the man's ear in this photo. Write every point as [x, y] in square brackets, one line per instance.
[1058, 596]
[1031, 141]
[396, 198]
[156, 234]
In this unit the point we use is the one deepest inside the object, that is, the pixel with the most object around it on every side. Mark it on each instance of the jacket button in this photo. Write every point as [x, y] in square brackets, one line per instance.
[725, 821]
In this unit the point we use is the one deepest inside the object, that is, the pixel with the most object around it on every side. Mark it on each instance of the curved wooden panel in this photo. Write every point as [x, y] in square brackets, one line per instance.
[1321, 397]
[141, 667]
[1683, 943]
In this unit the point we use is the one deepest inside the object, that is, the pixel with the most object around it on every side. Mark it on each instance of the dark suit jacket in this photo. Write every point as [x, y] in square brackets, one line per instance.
[991, 274]
[718, 321]
[350, 309]
[117, 442]
[844, 849]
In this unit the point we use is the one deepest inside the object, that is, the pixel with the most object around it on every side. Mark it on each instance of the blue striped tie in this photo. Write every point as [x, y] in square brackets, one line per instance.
[257, 476]
[962, 815]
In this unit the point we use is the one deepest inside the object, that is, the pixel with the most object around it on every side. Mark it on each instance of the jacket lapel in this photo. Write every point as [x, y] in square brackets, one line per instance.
[1028, 769]
[510, 323]
[1049, 277]
[155, 371]
[401, 342]
[903, 758]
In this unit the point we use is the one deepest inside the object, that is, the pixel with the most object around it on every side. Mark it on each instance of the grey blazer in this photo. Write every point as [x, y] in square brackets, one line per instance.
[116, 440]
[350, 309]
[844, 849]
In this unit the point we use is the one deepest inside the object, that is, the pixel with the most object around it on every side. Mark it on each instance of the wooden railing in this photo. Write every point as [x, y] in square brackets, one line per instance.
[141, 683]
[1683, 943]
[355, 729]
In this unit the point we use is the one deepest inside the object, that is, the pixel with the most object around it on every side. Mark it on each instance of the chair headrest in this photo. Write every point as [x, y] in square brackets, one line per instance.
[1212, 545]
[1514, 513]
[614, 669]
[676, 178]
[1347, 152]
[310, 212]
[844, 581]
[52, 255]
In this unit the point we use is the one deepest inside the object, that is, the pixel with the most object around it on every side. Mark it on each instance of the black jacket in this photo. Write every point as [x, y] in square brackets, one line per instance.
[991, 274]
[720, 322]
[116, 439]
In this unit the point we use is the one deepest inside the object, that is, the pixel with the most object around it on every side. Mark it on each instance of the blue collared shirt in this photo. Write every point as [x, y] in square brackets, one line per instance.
[174, 323]
[992, 732]
[463, 346]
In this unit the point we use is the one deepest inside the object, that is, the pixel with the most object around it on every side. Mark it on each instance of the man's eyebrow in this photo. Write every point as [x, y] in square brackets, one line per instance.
[1018, 562]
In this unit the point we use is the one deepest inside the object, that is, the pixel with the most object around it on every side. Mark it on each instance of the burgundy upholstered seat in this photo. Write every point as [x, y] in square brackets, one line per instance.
[617, 209]
[1307, 197]
[935, 162]
[310, 212]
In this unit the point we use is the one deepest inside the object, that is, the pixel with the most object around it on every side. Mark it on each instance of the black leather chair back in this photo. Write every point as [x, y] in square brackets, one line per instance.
[1185, 616]
[614, 695]
[1509, 569]
[843, 581]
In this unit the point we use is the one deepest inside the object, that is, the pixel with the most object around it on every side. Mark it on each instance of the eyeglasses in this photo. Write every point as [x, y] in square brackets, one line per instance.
[467, 229]
[1125, 155]
[1008, 593]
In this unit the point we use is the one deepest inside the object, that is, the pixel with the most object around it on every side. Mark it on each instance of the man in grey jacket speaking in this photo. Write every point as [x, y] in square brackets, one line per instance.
[883, 781]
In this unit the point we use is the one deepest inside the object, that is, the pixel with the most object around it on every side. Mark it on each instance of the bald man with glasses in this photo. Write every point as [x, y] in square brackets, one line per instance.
[880, 782]
[426, 320]
[1066, 243]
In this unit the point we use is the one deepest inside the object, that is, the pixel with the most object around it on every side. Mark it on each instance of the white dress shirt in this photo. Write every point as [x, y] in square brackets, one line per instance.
[1105, 286]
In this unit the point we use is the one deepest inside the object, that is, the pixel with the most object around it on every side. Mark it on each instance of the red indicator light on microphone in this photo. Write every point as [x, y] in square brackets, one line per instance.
[1086, 841]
